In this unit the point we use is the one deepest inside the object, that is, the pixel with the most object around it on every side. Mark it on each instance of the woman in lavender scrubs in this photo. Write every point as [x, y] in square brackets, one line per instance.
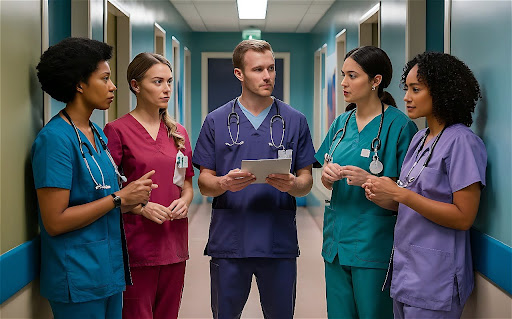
[438, 193]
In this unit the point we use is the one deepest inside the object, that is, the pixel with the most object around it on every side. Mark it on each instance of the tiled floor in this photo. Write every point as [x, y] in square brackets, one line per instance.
[310, 301]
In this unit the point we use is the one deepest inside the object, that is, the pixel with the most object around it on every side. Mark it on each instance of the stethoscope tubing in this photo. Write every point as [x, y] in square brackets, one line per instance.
[408, 179]
[376, 142]
[272, 120]
[105, 148]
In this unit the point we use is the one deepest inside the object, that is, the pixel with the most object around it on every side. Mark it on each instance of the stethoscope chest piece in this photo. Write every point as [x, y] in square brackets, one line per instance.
[376, 166]
[327, 158]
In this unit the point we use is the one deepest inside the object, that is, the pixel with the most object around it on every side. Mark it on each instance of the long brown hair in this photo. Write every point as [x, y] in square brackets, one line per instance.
[136, 71]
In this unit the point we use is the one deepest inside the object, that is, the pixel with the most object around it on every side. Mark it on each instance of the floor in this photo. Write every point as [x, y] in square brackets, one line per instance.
[310, 302]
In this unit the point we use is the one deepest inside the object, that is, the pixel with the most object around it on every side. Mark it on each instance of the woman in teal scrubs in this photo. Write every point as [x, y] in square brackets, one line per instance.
[370, 138]
[83, 265]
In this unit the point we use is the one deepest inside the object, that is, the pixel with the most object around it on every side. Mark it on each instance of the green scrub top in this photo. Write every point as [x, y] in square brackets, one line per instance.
[355, 229]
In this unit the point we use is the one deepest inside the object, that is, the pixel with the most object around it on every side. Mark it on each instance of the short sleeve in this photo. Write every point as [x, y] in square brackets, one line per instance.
[467, 161]
[324, 148]
[404, 140]
[52, 164]
[204, 153]
[115, 146]
[305, 149]
[187, 151]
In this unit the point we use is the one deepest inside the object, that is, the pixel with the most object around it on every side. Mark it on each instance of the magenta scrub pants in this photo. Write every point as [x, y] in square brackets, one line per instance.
[156, 292]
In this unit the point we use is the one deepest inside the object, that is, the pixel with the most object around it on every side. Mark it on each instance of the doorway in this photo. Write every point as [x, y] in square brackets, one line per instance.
[219, 85]
[117, 33]
[159, 40]
[369, 27]
[341, 50]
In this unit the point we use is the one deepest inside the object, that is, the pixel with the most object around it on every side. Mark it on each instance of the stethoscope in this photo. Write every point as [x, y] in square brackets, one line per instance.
[408, 179]
[376, 166]
[272, 120]
[105, 148]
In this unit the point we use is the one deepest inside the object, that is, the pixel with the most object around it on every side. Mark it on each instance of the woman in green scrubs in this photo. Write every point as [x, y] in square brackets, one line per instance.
[370, 138]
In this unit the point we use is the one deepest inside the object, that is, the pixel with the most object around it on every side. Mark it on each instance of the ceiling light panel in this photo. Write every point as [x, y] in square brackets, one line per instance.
[252, 9]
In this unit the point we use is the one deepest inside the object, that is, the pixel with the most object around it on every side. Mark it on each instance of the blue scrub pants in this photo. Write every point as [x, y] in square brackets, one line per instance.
[105, 308]
[231, 283]
[354, 292]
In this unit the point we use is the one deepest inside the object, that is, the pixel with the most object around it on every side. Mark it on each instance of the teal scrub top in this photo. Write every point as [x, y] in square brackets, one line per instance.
[85, 264]
[356, 230]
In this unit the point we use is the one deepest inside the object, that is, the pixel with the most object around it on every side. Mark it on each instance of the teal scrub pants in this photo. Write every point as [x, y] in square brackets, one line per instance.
[105, 308]
[354, 292]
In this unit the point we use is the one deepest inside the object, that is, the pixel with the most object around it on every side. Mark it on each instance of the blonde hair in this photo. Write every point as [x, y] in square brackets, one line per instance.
[136, 71]
[246, 45]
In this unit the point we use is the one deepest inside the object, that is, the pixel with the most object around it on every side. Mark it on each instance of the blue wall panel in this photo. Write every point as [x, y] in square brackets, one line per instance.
[486, 48]
[435, 25]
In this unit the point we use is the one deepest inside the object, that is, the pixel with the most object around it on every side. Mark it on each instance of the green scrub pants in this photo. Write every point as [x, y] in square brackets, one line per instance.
[354, 292]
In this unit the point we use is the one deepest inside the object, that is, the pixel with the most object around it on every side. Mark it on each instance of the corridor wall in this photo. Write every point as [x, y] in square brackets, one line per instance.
[21, 117]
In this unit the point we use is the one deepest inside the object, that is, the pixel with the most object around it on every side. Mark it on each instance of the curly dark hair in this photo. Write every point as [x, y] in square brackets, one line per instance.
[68, 63]
[450, 82]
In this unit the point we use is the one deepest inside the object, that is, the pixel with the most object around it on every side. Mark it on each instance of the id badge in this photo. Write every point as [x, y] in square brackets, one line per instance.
[365, 153]
[181, 160]
[284, 153]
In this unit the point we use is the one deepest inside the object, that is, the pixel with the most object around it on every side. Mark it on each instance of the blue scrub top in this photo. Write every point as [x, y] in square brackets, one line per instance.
[356, 230]
[258, 221]
[85, 264]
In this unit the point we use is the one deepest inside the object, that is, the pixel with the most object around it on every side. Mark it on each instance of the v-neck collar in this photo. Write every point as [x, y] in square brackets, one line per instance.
[96, 148]
[353, 123]
[263, 126]
[145, 133]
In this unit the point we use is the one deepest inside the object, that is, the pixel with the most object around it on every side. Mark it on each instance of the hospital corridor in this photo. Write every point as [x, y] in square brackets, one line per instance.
[156, 154]
[310, 302]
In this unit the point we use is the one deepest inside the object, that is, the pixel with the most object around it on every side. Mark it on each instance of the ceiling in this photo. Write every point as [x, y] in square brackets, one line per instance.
[222, 15]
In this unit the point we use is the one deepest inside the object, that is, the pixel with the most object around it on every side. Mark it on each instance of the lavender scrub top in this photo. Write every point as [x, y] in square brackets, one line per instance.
[429, 259]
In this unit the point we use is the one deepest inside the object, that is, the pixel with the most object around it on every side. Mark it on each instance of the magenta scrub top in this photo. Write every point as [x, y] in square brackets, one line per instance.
[429, 259]
[136, 153]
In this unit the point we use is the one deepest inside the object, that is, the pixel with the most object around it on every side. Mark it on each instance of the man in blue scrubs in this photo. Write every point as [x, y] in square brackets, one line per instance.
[253, 229]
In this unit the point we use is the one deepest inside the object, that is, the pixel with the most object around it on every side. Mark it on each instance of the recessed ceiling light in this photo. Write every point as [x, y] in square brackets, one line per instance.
[252, 9]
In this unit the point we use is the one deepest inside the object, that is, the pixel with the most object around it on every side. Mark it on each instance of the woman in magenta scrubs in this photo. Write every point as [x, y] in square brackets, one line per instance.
[157, 233]
[438, 193]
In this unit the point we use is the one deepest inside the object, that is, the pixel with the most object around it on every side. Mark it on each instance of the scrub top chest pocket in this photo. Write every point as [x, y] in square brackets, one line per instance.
[180, 169]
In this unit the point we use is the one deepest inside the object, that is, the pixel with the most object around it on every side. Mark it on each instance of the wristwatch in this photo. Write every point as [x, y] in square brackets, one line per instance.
[117, 200]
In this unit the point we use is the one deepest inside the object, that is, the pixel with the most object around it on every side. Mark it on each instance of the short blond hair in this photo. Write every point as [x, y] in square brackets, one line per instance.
[246, 45]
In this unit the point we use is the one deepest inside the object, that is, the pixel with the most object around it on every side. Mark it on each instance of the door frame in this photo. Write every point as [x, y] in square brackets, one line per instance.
[124, 53]
[373, 14]
[341, 41]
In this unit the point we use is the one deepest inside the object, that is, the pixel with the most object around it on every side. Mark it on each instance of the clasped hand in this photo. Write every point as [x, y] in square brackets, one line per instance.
[333, 172]
[159, 213]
